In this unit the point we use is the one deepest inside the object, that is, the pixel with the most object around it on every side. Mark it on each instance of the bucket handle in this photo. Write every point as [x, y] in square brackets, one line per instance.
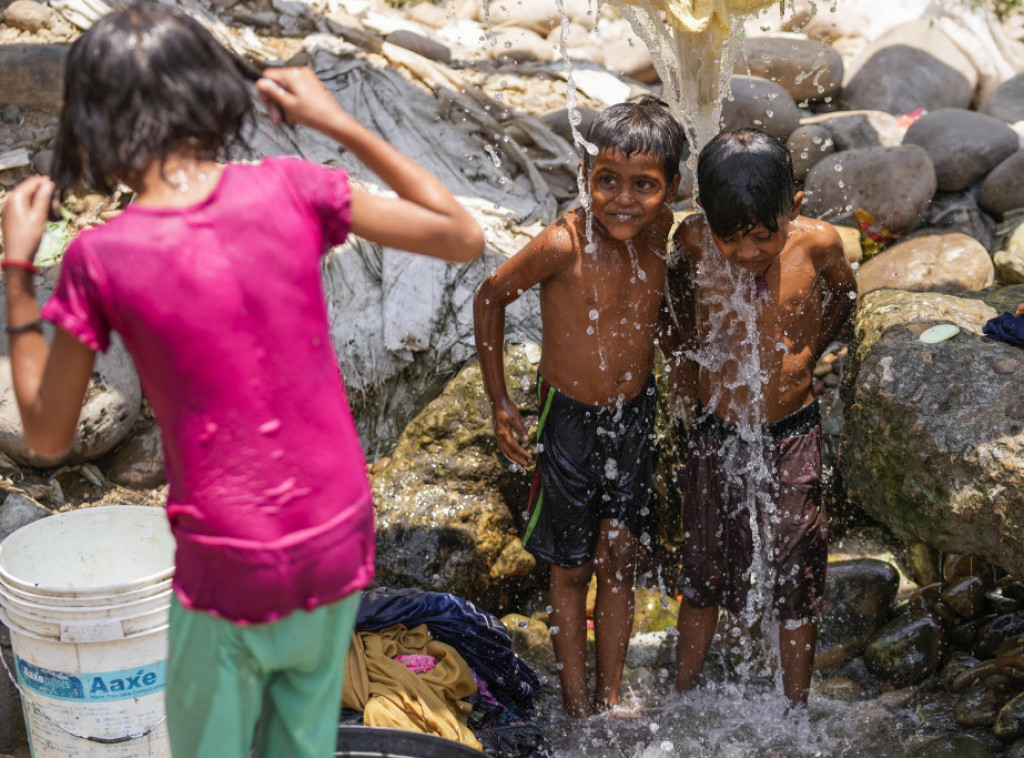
[38, 709]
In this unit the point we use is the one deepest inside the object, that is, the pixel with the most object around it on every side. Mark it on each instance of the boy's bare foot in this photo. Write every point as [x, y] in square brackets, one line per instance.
[581, 711]
[618, 711]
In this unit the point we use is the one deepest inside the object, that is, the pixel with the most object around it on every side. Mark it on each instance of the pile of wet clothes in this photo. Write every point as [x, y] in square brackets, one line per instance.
[435, 663]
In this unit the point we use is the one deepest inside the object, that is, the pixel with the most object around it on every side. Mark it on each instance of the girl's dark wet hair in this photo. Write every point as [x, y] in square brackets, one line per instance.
[745, 178]
[141, 84]
[646, 127]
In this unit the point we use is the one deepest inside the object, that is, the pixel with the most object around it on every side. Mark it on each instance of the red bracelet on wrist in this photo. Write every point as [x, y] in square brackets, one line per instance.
[23, 265]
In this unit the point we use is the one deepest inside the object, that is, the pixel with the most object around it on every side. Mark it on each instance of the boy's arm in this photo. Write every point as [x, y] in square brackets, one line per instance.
[839, 290]
[677, 333]
[547, 254]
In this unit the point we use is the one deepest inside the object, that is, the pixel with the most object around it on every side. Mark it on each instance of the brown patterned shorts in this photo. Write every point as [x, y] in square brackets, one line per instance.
[778, 471]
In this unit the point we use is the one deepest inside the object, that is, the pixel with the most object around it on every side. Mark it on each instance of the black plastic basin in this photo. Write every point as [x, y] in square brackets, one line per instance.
[377, 742]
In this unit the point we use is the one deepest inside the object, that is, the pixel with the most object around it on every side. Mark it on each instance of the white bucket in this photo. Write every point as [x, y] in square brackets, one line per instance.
[85, 595]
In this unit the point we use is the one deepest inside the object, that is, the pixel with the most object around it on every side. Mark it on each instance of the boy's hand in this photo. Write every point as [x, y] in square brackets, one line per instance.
[297, 96]
[511, 432]
[1020, 309]
[24, 218]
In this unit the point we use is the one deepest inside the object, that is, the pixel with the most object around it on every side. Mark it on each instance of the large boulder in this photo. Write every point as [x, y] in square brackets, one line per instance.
[952, 262]
[913, 65]
[1006, 101]
[893, 184]
[448, 506]
[964, 145]
[111, 406]
[1003, 189]
[855, 129]
[933, 440]
[805, 68]
[808, 145]
[760, 104]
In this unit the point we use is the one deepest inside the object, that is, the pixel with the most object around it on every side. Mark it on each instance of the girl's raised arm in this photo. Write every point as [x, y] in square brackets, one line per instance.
[49, 382]
[425, 218]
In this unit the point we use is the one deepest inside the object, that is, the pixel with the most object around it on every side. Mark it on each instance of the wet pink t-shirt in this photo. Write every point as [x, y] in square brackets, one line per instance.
[221, 307]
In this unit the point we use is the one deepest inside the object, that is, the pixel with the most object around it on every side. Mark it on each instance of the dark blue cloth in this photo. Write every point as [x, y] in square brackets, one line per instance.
[1006, 328]
[479, 637]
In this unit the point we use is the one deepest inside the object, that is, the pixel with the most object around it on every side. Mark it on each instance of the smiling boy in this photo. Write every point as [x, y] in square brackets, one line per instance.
[757, 293]
[601, 287]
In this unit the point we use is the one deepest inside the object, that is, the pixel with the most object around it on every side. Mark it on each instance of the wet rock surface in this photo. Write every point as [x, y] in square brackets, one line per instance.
[933, 434]
[858, 598]
[445, 514]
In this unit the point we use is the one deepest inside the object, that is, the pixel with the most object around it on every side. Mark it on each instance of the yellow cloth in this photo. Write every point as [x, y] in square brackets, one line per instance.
[391, 695]
[694, 16]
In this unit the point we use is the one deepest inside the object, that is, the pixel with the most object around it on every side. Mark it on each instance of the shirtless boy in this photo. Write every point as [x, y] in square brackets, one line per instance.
[600, 289]
[755, 284]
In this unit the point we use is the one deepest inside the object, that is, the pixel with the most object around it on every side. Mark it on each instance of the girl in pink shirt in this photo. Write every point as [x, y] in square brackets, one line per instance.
[211, 278]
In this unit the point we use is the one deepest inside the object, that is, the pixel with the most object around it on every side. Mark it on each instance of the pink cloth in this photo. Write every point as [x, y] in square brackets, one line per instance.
[417, 664]
[221, 307]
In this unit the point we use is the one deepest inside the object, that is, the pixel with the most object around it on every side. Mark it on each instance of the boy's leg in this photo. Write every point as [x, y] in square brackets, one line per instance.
[214, 689]
[696, 630]
[615, 565]
[568, 596]
[796, 649]
[303, 698]
[802, 557]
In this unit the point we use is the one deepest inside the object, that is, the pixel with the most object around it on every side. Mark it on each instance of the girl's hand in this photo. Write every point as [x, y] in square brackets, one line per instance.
[296, 96]
[24, 218]
[1020, 309]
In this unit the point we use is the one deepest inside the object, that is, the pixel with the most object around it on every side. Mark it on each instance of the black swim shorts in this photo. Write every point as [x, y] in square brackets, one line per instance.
[593, 463]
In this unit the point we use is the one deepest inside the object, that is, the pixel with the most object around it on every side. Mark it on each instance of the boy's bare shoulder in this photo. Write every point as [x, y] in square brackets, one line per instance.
[691, 232]
[561, 236]
[818, 236]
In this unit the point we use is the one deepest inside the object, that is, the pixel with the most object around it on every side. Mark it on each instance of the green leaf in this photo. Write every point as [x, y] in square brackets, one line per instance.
[54, 241]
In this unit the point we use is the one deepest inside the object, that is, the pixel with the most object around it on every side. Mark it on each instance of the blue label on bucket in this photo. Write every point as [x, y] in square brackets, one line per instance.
[93, 687]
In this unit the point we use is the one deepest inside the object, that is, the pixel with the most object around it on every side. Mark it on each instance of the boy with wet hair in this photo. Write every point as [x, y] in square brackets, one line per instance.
[601, 271]
[755, 296]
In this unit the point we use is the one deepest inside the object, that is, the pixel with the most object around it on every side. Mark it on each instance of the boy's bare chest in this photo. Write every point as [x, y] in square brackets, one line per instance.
[633, 281]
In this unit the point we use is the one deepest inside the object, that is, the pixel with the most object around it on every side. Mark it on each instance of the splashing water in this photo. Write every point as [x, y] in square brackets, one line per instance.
[719, 722]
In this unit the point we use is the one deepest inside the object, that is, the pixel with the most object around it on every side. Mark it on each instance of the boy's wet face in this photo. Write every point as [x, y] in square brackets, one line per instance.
[628, 192]
[755, 249]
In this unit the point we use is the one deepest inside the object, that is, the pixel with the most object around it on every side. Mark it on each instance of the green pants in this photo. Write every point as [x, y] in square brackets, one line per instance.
[274, 689]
